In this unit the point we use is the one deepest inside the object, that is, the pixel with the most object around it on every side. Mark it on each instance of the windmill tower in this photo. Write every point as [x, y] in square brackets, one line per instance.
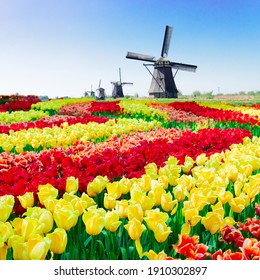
[163, 84]
[118, 87]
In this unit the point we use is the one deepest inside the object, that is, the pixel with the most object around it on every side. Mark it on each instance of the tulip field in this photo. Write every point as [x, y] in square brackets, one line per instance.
[128, 180]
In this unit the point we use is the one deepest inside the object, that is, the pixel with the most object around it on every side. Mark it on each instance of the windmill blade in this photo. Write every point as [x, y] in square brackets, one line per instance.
[120, 76]
[184, 67]
[166, 41]
[139, 56]
[126, 83]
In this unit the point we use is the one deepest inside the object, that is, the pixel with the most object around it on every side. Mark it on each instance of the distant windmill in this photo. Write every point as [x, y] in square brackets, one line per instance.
[89, 93]
[100, 92]
[163, 84]
[118, 87]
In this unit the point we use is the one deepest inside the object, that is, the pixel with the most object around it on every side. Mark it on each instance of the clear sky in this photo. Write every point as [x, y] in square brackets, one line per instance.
[62, 47]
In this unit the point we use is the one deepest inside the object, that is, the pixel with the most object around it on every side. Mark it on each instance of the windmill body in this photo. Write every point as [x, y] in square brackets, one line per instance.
[117, 91]
[162, 84]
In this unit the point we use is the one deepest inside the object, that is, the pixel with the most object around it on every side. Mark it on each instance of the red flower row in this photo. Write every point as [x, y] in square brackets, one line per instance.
[50, 122]
[86, 161]
[216, 114]
[17, 105]
[87, 108]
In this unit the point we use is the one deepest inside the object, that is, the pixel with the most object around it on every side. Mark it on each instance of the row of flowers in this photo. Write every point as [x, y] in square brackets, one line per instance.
[66, 135]
[51, 121]
[208, 199]
[215, 113]
[126, 156]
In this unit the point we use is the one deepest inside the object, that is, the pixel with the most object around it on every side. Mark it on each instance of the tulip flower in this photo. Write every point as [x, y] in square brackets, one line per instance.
[89, 200]
[38, 247]
[72, 185]
[114, 189]
[179, 193]
[3, 252]
[151, 255]
[135, 211]
[201, 159]
[167, 203]
[27, 227]
[43, 216]
[6, 207]
[151, 170]
[213, 222]
[155, 216]
[46, 191]
[122, 208]
[6, 231]
[112, 221]
[20, 250]
[97, 186]
[161, 232]
[26, 200]
[156, 193]
[65, 216]
[191, 215]
[94, 222]
[109, 201]
[188, 164]
[239, 203]
[135, 229]
[58, 240]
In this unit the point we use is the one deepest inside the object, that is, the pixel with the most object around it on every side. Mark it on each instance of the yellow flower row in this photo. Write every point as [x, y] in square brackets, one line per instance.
[58, 103]
[225, 106]
[136, 107]
[21, 116]
[150, 200]
[66, 135]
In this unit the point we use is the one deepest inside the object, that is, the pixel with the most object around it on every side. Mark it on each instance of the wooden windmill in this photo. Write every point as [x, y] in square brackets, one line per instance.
[118, 87]
[163, 84]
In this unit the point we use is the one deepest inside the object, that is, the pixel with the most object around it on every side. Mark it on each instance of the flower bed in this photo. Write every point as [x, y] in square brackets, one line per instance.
[129, 188]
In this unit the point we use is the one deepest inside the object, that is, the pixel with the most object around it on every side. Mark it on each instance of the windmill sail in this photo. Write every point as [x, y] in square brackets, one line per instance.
[166, 41]
[184, 67]
[139, 56]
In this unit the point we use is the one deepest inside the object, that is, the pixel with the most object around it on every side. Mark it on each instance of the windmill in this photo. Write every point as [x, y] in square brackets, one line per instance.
[89, 93]
[100, 92]
[118, 87]
[163, 84]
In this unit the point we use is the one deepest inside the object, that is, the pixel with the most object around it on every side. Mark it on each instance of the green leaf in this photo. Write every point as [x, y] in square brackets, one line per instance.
[124, 253]
[87, 240]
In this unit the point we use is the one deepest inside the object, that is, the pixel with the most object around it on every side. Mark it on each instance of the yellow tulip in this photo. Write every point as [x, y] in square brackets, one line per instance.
[50, 203]
[156, 192]
[6, 207]
[89, 200]
[135, 211]
[43, 216]
[58, 240]
[201, 159]
[112, 221]
[6, 231]
[3, 252]
[65, 216]
[146, 183]
[122, 208]
[135, 229]
[218, 208]
[46, 191]
[97, 186]
[155, 216]
[252, 188]
[20, 250]
[161, 232]
[191, 216]
[147, 202]
[185, 229]
[109, 201]
[239, 203]
[225, 196]
[77, 203]
[26, 200]
[179, 193]
[72, 185]
[38, 247]
[94, 222]
[151, 255]
[27, 227]
[151, 170]
[167, 203]
[213, 222]
[114, 189]
[188, 164]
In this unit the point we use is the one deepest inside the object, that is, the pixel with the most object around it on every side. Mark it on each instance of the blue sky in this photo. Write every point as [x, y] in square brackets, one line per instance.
[62, 47]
